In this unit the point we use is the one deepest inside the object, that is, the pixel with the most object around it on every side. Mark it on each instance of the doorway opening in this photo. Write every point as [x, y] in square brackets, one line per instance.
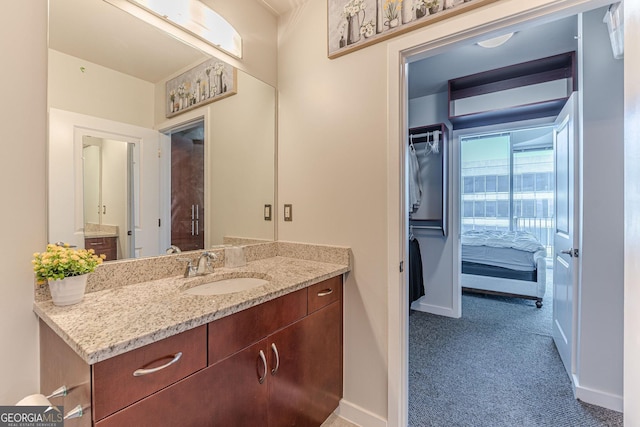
[188, 187]
[427, 108]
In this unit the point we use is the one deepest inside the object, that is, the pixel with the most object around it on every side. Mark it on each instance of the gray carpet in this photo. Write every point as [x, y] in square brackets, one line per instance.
[496, 366]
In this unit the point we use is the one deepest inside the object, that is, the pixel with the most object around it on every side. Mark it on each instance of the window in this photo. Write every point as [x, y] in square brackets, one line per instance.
[528, 209]
[490, 209]
[507, 182]
[491, 184]
[542, 182]
[467, 209]
[468, 185]
[528, 182]
[503, 209]
[478, 184]
[503, 184]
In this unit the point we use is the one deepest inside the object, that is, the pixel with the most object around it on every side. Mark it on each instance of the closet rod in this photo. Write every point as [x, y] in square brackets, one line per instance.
[427, 227]
[435, 133]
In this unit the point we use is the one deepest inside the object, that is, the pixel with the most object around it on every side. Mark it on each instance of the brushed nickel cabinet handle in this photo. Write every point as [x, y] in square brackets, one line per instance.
[325, 292]
[261, 378]
[141, 372]
[275, 353]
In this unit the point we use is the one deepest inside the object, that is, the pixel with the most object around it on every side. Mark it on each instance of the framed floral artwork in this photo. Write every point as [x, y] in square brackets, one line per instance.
[354, 24]
[210, 81]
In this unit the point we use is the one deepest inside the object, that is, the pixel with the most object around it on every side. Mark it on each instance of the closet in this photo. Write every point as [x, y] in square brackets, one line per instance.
[427, 195]
[428, 177]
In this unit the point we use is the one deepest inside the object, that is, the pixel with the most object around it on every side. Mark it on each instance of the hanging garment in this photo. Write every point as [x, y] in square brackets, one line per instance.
[416, 280]
[415, 182]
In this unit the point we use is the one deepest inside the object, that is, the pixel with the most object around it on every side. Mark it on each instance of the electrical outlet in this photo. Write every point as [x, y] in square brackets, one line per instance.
[267, 212]
[288, 212]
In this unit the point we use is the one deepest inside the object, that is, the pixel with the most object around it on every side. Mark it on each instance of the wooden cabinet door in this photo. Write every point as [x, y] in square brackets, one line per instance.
[225, 394]
[307, 385]
[240, 399]
[187, 192]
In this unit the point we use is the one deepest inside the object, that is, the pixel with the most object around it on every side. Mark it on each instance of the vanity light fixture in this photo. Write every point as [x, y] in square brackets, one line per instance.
[495, 41]
[193, 17]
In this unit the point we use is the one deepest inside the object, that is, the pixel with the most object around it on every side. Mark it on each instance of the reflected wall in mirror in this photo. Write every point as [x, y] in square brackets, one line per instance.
[107, 75]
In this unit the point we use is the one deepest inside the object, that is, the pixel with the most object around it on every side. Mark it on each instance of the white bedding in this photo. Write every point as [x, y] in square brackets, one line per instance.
[517, 250]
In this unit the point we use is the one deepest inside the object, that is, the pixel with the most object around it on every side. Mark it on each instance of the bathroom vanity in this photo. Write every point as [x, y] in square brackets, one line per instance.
[269, 356]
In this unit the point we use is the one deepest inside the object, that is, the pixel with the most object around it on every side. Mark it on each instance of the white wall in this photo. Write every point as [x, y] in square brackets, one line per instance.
[98, 91]
[241, 152]
[602, 224]
[332, 168]
[23, 43]
[335, 125]
[631, 215]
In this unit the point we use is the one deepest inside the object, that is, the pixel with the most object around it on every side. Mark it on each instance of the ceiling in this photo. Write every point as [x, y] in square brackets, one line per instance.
[98, 32]
[280, 7]
[430, 75]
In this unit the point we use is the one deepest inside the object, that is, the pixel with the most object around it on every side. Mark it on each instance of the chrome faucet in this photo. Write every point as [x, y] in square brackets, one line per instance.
[204, 263]
[173, 249]
[202, 267]
[190, 270]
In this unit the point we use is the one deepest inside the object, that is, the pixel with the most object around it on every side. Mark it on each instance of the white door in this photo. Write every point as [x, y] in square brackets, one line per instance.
[66, 196]
[565, 244]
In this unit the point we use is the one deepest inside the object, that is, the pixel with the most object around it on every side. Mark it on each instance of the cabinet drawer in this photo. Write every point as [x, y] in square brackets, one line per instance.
[114, 383]
[237, 331]
[324, 293]
[103, 245]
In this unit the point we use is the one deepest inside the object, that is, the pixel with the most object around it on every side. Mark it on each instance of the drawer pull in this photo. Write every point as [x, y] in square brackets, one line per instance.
[275, 352]
[261, 378]
[141, 372]
[325, 292]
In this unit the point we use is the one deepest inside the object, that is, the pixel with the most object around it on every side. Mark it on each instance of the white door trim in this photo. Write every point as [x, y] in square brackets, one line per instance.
[419, 44]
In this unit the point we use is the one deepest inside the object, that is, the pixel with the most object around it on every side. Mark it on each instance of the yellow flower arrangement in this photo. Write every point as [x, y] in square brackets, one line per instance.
[392, 9]
[60, 261]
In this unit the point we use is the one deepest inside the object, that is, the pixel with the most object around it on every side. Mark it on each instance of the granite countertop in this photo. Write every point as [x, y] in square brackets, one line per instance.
[113, 321]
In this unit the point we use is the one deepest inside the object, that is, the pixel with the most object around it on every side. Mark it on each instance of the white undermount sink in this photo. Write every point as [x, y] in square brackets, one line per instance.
[221, 285]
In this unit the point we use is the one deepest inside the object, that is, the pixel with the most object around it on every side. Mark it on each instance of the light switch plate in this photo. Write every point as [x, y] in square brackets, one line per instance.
[288, 212]
[267, 212]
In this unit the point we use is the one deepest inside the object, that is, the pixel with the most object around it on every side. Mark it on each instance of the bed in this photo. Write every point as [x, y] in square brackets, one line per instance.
[510, 263]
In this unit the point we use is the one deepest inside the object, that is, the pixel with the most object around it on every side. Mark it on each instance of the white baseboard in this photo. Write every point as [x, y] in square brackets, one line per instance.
[421, 305]
[358, 415]
[599, 398]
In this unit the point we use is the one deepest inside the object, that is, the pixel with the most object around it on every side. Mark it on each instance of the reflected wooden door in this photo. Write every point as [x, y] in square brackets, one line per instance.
[187, 191]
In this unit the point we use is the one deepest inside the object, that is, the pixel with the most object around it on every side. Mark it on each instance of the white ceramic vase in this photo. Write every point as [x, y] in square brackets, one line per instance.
[69, 290]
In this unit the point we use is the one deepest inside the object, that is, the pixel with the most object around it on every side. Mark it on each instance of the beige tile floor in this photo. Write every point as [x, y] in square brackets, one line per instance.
[336, 421]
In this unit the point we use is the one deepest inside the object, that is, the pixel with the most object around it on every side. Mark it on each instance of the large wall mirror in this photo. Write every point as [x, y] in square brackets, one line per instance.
[118, 168]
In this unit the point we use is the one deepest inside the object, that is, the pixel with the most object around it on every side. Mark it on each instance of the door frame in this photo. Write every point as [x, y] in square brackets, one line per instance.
[498, 17]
